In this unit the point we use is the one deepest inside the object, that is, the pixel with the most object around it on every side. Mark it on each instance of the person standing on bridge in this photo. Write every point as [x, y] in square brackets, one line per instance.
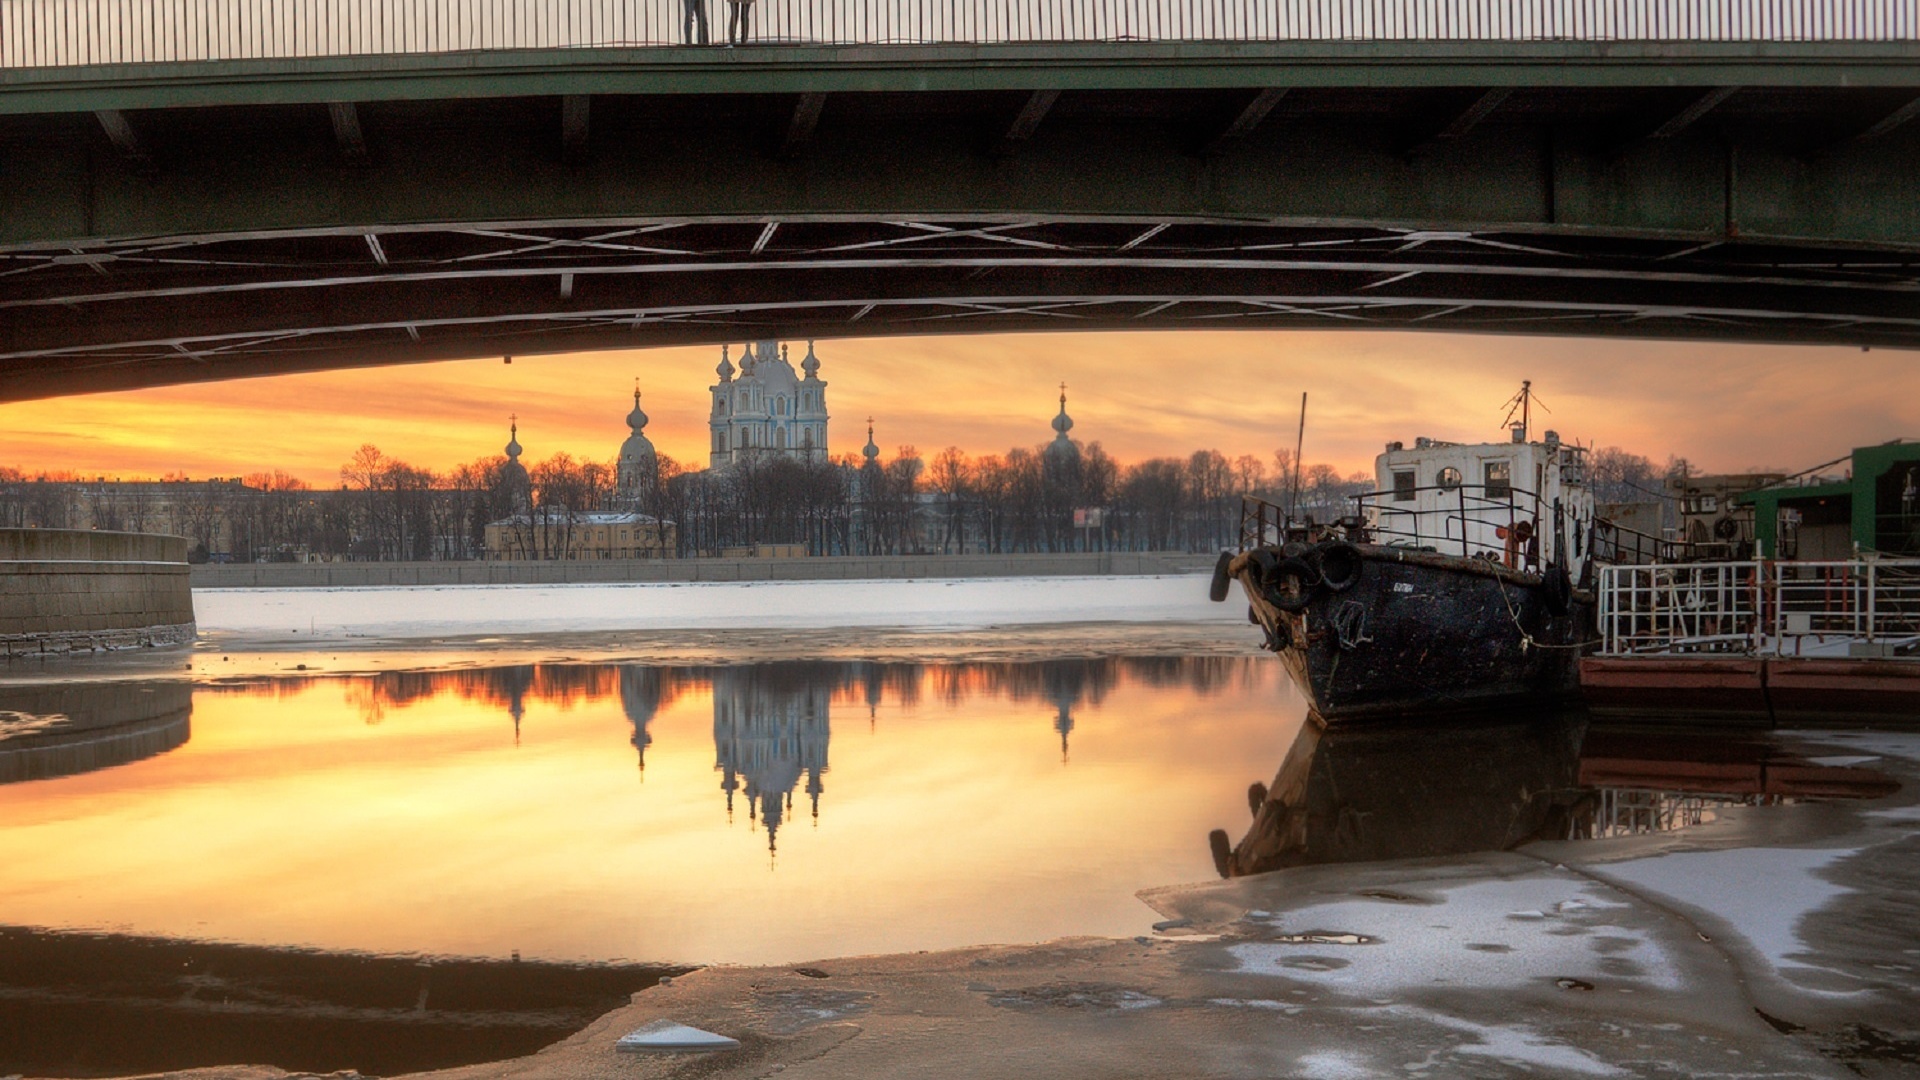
[739, 15]
[696, 20]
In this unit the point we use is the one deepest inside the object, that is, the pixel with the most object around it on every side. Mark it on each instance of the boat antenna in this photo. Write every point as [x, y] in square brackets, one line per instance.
[1299, 443]
[1523, 403]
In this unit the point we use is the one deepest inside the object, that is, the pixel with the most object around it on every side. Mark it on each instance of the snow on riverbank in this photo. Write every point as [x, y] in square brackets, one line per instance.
[461, 610]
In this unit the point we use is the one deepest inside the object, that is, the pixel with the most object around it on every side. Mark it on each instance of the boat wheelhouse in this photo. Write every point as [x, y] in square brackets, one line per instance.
[1525, 505]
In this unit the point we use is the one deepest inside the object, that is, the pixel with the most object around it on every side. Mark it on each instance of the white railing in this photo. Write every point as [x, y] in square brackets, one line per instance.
[52, 33]
[1761, 608]
[1815, 603]
[1681, 607]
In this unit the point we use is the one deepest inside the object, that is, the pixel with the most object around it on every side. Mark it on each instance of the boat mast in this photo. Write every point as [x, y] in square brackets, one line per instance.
[1299, 443]
[1521, 403]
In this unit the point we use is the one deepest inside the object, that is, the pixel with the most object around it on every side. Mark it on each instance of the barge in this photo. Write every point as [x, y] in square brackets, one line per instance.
[1821, 625]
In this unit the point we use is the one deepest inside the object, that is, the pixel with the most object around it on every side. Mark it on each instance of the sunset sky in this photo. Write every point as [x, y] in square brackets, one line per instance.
[1140, 395]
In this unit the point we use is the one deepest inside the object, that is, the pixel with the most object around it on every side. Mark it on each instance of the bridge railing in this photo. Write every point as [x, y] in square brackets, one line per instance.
[51, 33]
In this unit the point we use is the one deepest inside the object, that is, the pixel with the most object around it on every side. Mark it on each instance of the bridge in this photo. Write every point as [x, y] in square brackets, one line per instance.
[204, 189]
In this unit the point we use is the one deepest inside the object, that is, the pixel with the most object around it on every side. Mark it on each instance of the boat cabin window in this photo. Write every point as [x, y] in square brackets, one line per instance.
[1449, 478]
[1499, 476]
[1403, 485]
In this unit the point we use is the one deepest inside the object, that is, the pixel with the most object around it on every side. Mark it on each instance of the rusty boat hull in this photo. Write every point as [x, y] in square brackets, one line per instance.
[1392, 633]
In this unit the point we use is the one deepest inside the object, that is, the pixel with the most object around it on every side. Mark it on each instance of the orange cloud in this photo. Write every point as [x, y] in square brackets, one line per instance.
[1140, 395]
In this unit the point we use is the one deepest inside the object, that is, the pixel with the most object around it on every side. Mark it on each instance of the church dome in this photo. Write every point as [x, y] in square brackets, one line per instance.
[811, 365]
[637, 471]
[637, 447]
[513, 475]
[771, 369]
[725, 368]
[1062, 448]
[870, 451]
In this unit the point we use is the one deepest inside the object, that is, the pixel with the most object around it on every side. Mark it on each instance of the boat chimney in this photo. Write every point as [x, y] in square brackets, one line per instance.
[1519, 432]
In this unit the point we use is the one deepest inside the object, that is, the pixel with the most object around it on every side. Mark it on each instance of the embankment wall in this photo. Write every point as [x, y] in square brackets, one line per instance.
[78, 591]
[826, 568]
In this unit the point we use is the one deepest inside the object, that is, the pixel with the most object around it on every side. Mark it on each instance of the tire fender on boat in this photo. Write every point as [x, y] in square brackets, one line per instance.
[1339, 565]
[1556, 589]
[1289, 584]
[1222, 580]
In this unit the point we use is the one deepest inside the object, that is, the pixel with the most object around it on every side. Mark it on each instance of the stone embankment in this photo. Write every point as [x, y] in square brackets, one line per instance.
[73, 591]
[826, 568]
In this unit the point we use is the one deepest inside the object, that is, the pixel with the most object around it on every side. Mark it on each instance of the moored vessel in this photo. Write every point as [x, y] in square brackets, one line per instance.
[1821, 624]
[1456, 584]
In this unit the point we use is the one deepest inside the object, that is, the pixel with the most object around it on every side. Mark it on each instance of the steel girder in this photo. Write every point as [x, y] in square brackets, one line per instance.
[189, 244]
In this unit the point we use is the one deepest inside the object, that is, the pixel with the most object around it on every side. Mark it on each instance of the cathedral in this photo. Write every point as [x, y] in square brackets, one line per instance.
[768, 408]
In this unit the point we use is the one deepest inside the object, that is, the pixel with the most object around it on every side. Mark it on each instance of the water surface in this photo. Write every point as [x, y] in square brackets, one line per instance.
[596, 812]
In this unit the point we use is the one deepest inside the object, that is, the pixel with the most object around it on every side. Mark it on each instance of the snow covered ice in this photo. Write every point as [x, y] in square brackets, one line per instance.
[459, 610]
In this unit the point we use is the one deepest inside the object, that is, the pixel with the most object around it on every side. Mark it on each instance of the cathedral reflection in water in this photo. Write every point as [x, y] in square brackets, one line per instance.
[772, 721]
[769, 731]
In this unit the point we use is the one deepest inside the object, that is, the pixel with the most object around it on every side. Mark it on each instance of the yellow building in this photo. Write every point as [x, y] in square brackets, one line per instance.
[587, 534]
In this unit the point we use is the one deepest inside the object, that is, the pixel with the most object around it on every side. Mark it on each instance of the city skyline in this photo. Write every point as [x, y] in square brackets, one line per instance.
[1725, 408]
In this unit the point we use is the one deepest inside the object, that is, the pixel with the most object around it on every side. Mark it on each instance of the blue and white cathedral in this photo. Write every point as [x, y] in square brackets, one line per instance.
[767, 408]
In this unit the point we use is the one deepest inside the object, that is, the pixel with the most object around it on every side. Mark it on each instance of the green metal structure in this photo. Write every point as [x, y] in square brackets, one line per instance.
[1875, 509]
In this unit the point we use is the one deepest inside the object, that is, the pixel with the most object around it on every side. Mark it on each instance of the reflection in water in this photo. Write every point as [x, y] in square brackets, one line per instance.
[770, 728]
[582, 811]
[1642, 781]
[1354, 794]
[49, 731]
[1361, 794]
[772, 721]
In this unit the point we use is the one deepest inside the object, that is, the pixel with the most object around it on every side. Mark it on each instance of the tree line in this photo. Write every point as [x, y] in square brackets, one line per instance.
[1024, 500]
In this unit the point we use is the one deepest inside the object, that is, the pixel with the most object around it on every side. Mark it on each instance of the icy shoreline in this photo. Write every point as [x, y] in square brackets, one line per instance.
[438, 611]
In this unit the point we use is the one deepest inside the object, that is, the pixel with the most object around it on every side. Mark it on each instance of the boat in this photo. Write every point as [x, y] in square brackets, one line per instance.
[1459, 583]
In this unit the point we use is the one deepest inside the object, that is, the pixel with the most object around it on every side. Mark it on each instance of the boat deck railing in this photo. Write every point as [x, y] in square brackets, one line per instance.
[1617, 544]
[1502, 523]
[1762, 607]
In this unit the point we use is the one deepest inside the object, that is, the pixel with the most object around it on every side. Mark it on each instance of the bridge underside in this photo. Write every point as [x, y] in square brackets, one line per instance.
[162, 245]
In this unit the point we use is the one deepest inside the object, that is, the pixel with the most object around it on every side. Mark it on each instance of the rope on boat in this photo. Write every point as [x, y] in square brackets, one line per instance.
[1527, 640]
